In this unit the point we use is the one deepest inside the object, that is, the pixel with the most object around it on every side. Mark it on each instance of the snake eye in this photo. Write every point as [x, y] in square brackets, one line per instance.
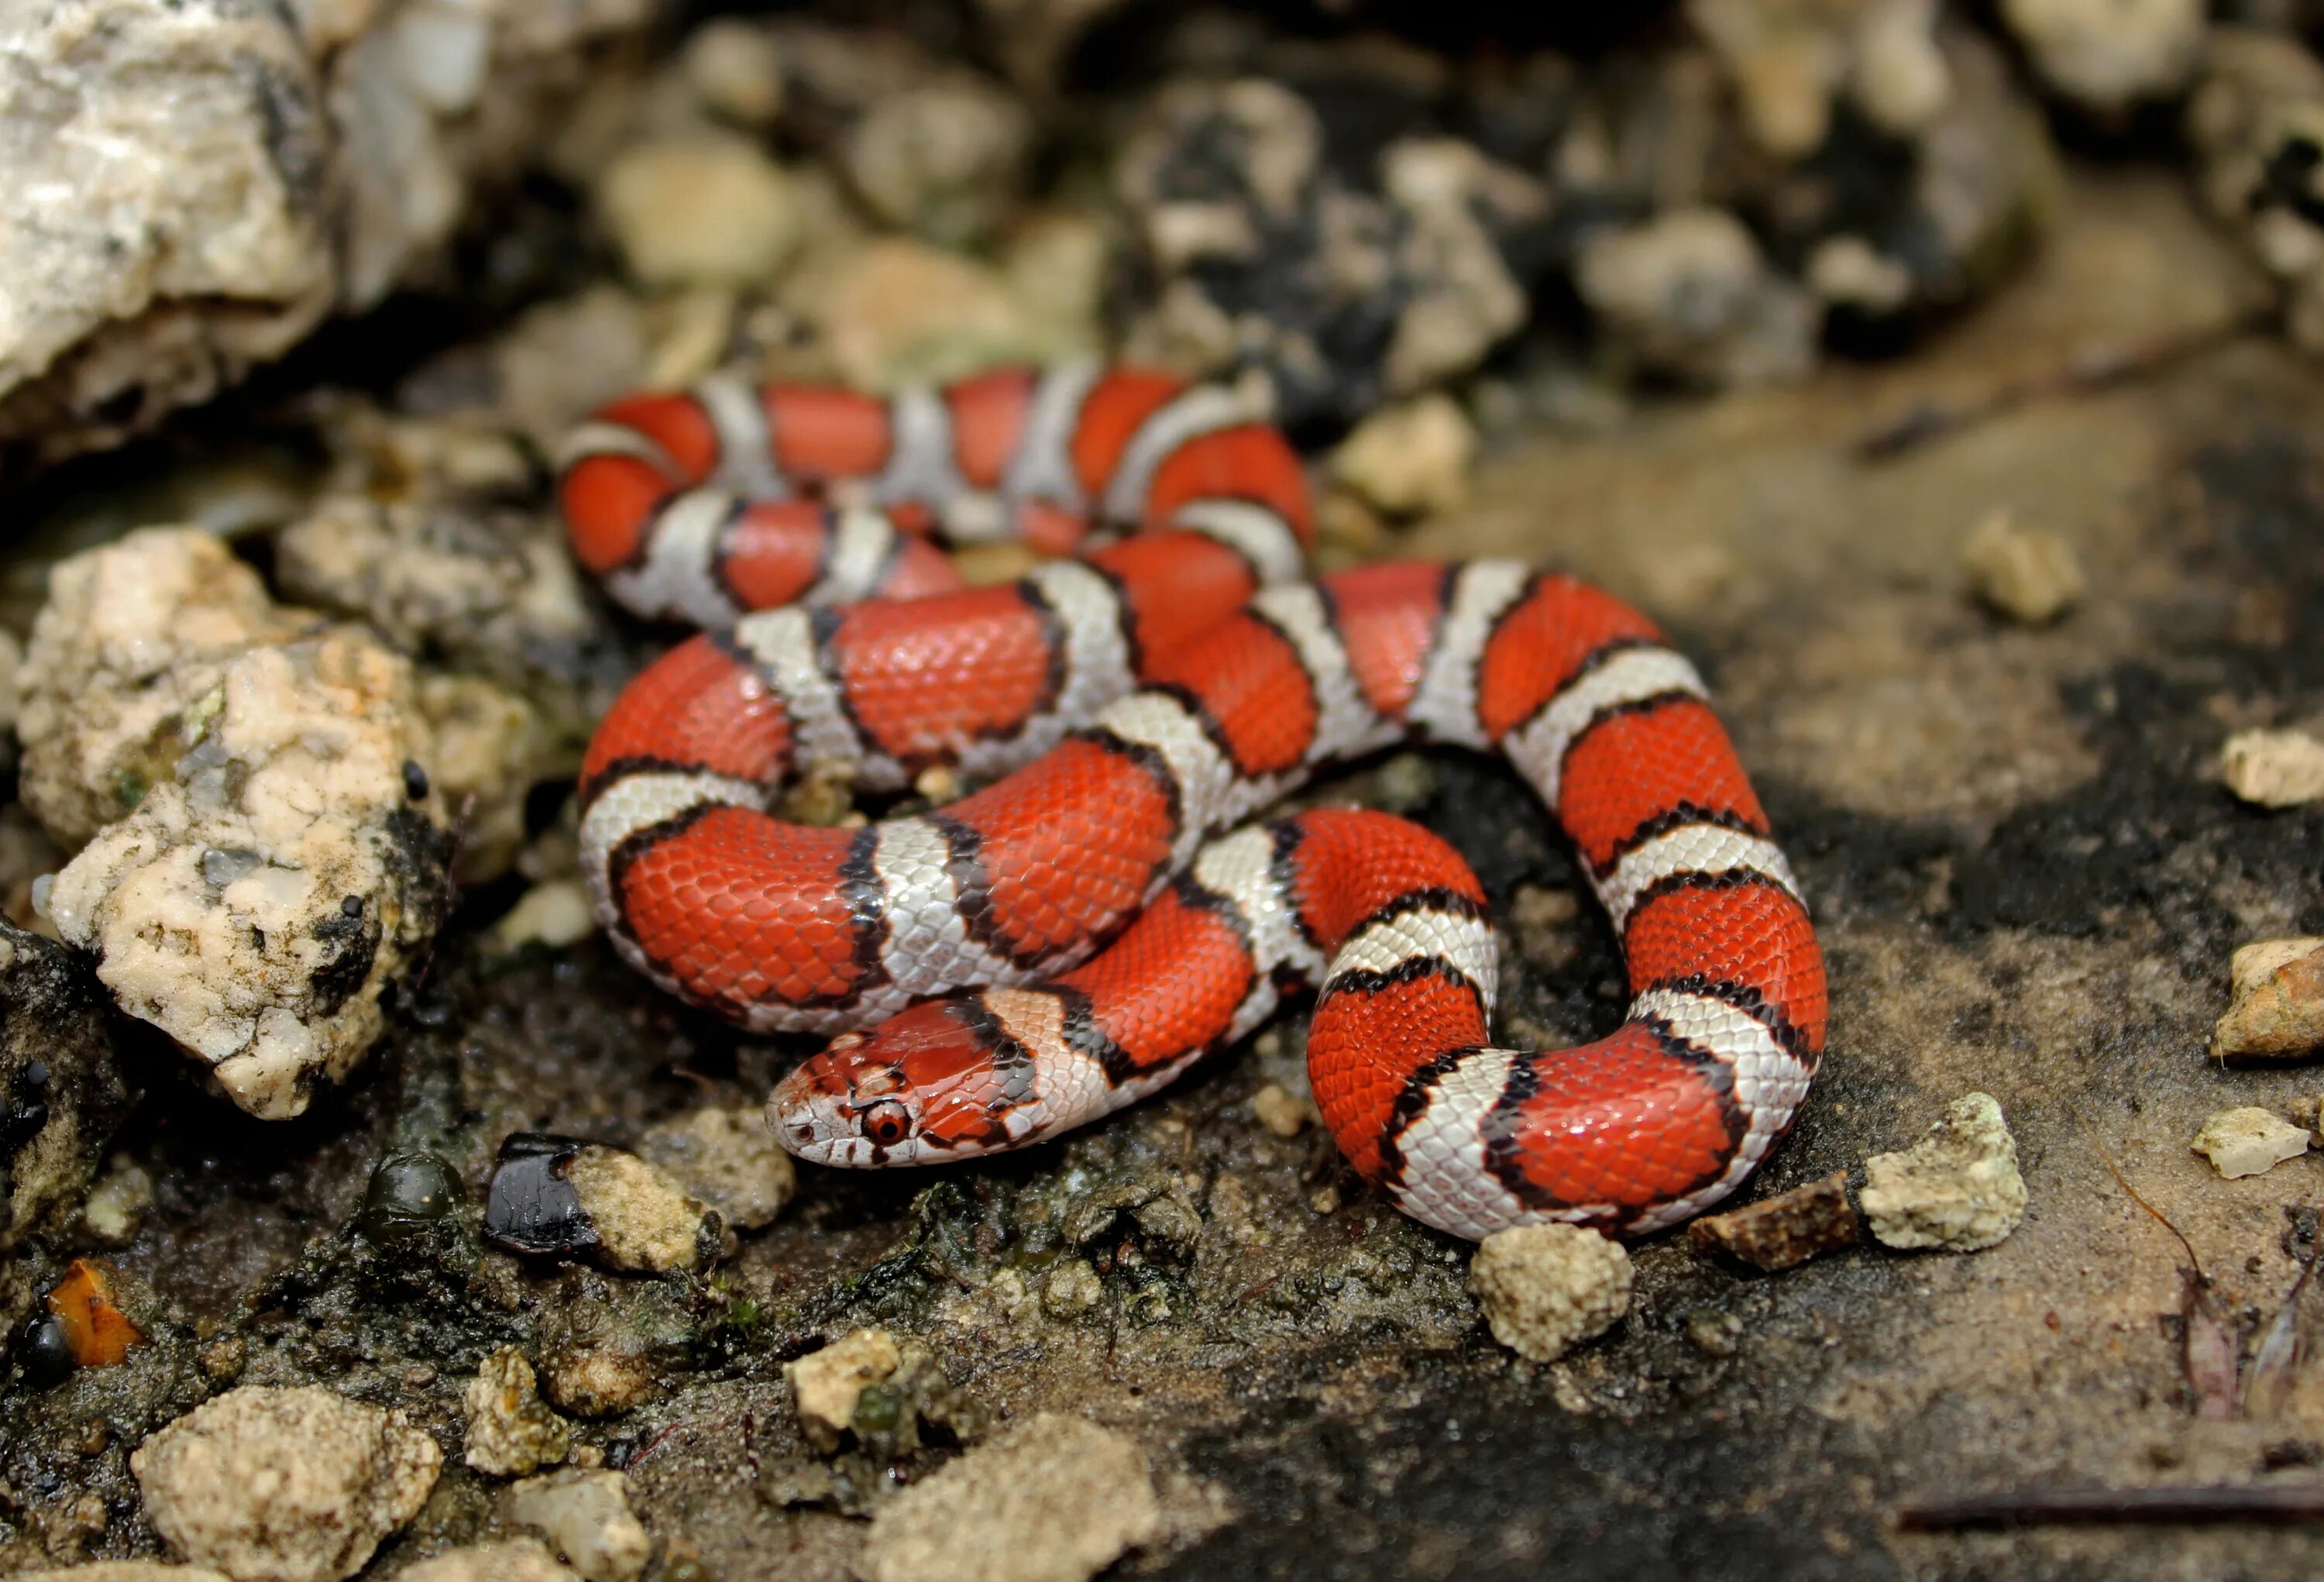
[886, 1122]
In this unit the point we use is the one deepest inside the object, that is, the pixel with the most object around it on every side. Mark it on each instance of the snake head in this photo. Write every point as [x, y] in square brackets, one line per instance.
[921, 1088]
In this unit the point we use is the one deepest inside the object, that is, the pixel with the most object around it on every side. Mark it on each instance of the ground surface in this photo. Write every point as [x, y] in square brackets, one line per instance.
[2028, 880]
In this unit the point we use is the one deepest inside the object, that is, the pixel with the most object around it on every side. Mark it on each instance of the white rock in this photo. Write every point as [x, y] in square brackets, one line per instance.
[897, 313]
[274, 869]
[517, 1560]
[511, 1431]
[123, 1571]
[191, 186]
[2031, 576]
[645, 1222]
[2245, 1142]
[736, 69]
[1411, 459]
[1052, 1499]
[2106, 55]
[825, 1384]
[489, 750]
[728, 1159]
[945, 159]
[586, 1516]
[1957, 1189]
[1547, 1288]
[2275, 768]
[283, 1485]
[555, 913]
[700, 210]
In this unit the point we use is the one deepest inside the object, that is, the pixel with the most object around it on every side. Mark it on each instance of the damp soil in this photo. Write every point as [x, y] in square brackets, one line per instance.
[2026, 875]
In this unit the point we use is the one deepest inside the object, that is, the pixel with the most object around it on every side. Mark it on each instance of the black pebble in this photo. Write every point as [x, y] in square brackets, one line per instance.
[407, 1190]
[531, 1206]
[48, 1354]
[415, 781]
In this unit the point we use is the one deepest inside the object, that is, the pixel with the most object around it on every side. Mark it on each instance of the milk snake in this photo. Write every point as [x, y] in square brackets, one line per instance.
[1076, 934]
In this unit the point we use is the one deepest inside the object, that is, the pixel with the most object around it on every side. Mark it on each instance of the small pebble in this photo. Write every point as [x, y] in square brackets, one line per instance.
[1052, 1499]
[1072, 1287]
[2248, 1141]
[407, 1191]
[511, 1431]
[1411, 458]
[516, 1560]
[118, 1202]
[1785, 1230]
[122, 1571]
[2029, 575]
[827, 1383]
[1547, 1288]
[1957, 1189]
[2277, 1007]
[700, 211]
[736, 70]
[2274, 769]
[586, 1516]
[1281, 1111]
[554, 914]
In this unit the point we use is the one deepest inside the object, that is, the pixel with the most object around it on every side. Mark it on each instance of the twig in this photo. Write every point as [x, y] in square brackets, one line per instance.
[2269, 1503]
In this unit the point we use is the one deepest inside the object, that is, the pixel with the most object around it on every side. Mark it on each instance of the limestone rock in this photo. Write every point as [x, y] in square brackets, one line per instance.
[897, 313]
[555, 913]
[1411, 459]
[586, 1517]
[61, 1087]
[511, 1431]
[1054, 1498]
[1688, 293]
[1335, 282]
[825, 1384]
[702, 211]
[645, 1223]
[194, 185]
[2277, 1010]
[1792, 66]
[945, 159]
[1547, 1288]
[2275, 769]
[516, 1560]
[277, 852]
[2106, 56]
[2028, 575]
[284, 1485]
[1957, 1189]
[123, 1571]
[729, 1160]
[2248, 1141]
[2257, 106]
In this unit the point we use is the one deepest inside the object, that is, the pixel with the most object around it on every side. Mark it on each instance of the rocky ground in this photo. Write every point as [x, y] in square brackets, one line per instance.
[1982, 477]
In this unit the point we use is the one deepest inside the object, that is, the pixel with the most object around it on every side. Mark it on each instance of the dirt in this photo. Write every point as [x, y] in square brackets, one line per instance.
[2025, 870]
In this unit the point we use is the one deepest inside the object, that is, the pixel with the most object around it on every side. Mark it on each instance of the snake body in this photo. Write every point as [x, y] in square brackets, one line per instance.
[1099, 916]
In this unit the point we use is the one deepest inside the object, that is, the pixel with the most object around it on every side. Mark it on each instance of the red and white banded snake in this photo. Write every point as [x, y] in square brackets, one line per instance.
[1076, 934]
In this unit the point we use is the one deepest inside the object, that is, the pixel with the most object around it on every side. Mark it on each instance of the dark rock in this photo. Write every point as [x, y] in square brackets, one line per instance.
[1786, 1229]
[406, 1191]
[531, 1206]
[46, 1353]
[62, 1088]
